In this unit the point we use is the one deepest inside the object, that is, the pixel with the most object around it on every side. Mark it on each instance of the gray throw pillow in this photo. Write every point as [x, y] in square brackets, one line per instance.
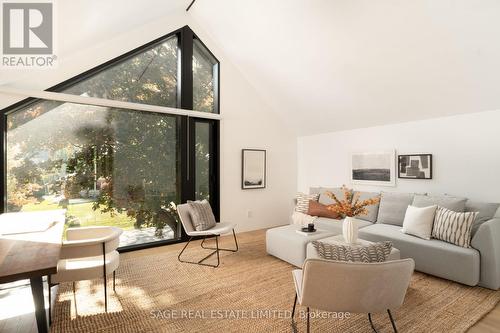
[376, 252]
[452, 203]
[486, 211]
[325, 199]
[372, 210]
[393, 207]
[202, 216]
[315, 190]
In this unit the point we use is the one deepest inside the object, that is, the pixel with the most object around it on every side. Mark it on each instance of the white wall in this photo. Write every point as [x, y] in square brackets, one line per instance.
[247, 121]
[465, 148]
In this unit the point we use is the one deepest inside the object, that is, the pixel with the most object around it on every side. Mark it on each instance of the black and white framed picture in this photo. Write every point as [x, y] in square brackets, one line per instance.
[253, 169]
[418, 166]
[374, 168]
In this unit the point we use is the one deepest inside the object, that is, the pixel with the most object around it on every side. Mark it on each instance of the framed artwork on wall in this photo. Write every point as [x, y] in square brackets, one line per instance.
[374, 168]
[253, 173]
[417, 166]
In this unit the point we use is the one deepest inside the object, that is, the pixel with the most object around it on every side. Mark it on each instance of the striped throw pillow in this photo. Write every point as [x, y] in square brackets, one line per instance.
[202, 216]
[303, 201]
[376, 252]
[453, 227]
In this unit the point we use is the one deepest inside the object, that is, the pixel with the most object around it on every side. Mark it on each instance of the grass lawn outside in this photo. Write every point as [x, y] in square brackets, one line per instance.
[81, 214]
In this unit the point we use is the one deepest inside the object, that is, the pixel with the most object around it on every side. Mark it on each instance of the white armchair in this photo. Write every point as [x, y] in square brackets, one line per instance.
[219, 229]
[88, 253]
[352, 287]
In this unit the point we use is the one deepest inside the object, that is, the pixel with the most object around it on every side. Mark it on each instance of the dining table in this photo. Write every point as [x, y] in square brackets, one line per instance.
[30, 246]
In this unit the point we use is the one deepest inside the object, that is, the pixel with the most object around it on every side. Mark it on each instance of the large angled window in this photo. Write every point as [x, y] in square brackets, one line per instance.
[120, 167]
[205, 74]
[149, 77]
[105, 166]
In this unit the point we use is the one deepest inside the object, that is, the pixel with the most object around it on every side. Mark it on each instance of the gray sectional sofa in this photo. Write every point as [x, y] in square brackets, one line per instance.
[477, 265]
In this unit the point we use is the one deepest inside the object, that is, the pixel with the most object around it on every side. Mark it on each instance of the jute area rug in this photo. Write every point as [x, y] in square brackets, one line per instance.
[250, 292]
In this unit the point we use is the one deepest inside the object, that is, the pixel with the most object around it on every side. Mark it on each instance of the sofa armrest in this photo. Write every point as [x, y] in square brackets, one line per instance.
[487, 242]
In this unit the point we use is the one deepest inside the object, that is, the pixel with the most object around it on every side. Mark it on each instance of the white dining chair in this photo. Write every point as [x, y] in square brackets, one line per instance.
[219, 229]
[353, 287]
[88, 253]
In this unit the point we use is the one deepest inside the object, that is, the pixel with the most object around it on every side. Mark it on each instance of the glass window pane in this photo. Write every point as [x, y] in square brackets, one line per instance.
[202, 160]
[204, 79]
[149, 78]
[106, 166]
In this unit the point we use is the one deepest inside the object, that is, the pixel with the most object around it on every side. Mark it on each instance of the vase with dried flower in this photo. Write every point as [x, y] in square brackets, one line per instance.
[347, 209]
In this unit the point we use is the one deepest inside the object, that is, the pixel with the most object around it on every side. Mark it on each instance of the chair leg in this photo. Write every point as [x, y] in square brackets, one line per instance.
[74, 296]
[217, 246]
[105, 278]
[294, 305]
[105, 294]
[182, 251]
[200, 262]
[308, 321]
[50, 300]
[371, 323]
[223, 249]
[393, 323]
[114, 281]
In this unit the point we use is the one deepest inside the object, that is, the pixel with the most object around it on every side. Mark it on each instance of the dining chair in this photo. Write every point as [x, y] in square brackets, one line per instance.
[88, 253]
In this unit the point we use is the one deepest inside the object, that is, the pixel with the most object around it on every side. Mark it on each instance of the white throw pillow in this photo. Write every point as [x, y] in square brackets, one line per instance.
[418, 221]
[302, 219]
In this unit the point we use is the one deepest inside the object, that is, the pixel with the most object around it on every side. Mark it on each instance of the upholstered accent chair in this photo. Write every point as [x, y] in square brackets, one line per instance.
[352, 287]
[219, 229]
[88, 253]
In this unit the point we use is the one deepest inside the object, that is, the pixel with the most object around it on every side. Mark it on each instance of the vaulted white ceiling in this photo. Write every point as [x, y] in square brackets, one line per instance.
[326, 65]
[337, 64]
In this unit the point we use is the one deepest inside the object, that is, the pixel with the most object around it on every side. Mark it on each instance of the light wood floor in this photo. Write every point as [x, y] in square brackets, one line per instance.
[25, 323]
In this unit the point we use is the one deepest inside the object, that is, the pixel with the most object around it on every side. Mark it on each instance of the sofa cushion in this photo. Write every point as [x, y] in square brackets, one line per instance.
[392, 207]
[453, 227]
[302, 219]
[431, 256]
[202, 216]
[325, 199]
[452, 203]
[335, 226]
[375, 252]
[419, 220]
[486, 211]
[373, 209]
[315, 190]
[320, 210]
[302, 200]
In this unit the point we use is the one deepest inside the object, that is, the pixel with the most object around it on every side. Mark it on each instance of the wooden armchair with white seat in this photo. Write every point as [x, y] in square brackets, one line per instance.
[88, 253]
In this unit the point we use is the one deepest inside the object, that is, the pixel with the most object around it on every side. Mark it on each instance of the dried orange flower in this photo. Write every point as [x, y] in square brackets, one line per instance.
[350, 205]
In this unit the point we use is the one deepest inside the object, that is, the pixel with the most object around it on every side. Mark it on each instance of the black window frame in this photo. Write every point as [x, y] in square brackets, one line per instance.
[185, 39]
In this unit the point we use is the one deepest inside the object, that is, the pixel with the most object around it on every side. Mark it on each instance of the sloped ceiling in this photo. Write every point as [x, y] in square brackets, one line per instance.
[327, 65]
[80, 24]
